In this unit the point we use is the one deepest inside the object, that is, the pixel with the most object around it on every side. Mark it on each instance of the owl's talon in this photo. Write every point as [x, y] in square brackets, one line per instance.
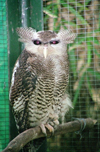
[42, 126]
[56, 122]
[50, 128]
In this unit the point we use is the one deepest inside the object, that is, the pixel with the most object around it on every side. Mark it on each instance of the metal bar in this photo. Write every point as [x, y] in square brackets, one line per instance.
[24, 12]
[37, 14]
[24, 15]
[13, 49]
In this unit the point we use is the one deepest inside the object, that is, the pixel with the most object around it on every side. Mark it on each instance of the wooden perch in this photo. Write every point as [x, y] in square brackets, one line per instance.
[22, 139]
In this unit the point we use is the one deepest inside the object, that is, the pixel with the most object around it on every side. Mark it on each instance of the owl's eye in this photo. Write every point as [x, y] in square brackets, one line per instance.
[37, 42]
[54, 42]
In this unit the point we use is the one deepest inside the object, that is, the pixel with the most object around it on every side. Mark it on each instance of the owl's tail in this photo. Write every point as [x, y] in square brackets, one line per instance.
[34, 146]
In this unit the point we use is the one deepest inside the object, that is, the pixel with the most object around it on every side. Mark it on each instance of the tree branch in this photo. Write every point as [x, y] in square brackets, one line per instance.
[22, 139]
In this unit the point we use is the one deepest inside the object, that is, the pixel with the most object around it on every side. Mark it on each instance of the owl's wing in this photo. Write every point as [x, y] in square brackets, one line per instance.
[23, 84]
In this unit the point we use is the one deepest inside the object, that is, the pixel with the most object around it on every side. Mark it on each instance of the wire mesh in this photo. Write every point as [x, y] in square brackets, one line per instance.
[4, 102]
[83, 18]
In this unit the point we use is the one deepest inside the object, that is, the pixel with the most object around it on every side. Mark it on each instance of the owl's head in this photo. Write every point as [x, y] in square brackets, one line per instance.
[45, 43]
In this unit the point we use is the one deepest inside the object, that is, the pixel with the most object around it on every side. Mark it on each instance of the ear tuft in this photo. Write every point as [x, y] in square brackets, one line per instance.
[67, 36]
[25, 34]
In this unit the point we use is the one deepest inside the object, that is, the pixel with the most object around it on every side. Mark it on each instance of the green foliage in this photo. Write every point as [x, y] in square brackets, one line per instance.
[84, 57]
[87, 40]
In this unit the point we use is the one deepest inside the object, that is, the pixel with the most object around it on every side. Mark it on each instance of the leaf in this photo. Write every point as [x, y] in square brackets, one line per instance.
[95, 51]
[78, 90]
[70, 23]
[94, 73]
[88, 84]
[75, 12]
[49, 13]
[72, 59]
[89, 53]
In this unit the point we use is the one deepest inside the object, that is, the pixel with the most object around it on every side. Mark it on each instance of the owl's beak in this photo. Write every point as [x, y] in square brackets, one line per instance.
[45, 51]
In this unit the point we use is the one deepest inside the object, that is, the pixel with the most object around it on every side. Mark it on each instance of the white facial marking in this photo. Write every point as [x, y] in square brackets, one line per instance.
[45, 51]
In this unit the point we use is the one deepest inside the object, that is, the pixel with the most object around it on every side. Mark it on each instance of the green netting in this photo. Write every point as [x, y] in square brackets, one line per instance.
[4, 101]
[83, 17]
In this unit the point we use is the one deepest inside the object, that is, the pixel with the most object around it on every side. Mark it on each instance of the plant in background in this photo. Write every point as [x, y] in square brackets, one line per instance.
[84, 54]
[83, 17]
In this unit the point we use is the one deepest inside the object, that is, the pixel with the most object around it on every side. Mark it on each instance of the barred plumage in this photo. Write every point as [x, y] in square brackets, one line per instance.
[40, 79]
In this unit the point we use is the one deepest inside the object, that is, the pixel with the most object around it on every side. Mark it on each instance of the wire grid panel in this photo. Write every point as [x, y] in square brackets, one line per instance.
[83, 18]
[4, 101]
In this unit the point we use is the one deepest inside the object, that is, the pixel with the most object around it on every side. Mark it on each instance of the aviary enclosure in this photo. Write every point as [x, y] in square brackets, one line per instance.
[83, 18]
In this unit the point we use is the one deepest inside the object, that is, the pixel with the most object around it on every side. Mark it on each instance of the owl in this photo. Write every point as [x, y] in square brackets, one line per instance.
[38, 92]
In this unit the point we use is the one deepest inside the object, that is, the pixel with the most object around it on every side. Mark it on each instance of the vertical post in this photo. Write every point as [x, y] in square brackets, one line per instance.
[24, 15]
[24, 6]
[13, 49]
[17, 15]
[37, 14]
[21, 13]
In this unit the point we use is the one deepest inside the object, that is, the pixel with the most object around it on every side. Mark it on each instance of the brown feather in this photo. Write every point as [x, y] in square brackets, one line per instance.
[38, 88]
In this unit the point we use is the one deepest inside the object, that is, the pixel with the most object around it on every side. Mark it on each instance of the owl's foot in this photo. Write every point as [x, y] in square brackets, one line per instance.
[51, 124]
[53, 118]
[48, 126]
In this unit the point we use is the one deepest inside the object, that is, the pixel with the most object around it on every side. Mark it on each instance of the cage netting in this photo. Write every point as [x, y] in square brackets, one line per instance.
[83, 18]
[4, 84]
